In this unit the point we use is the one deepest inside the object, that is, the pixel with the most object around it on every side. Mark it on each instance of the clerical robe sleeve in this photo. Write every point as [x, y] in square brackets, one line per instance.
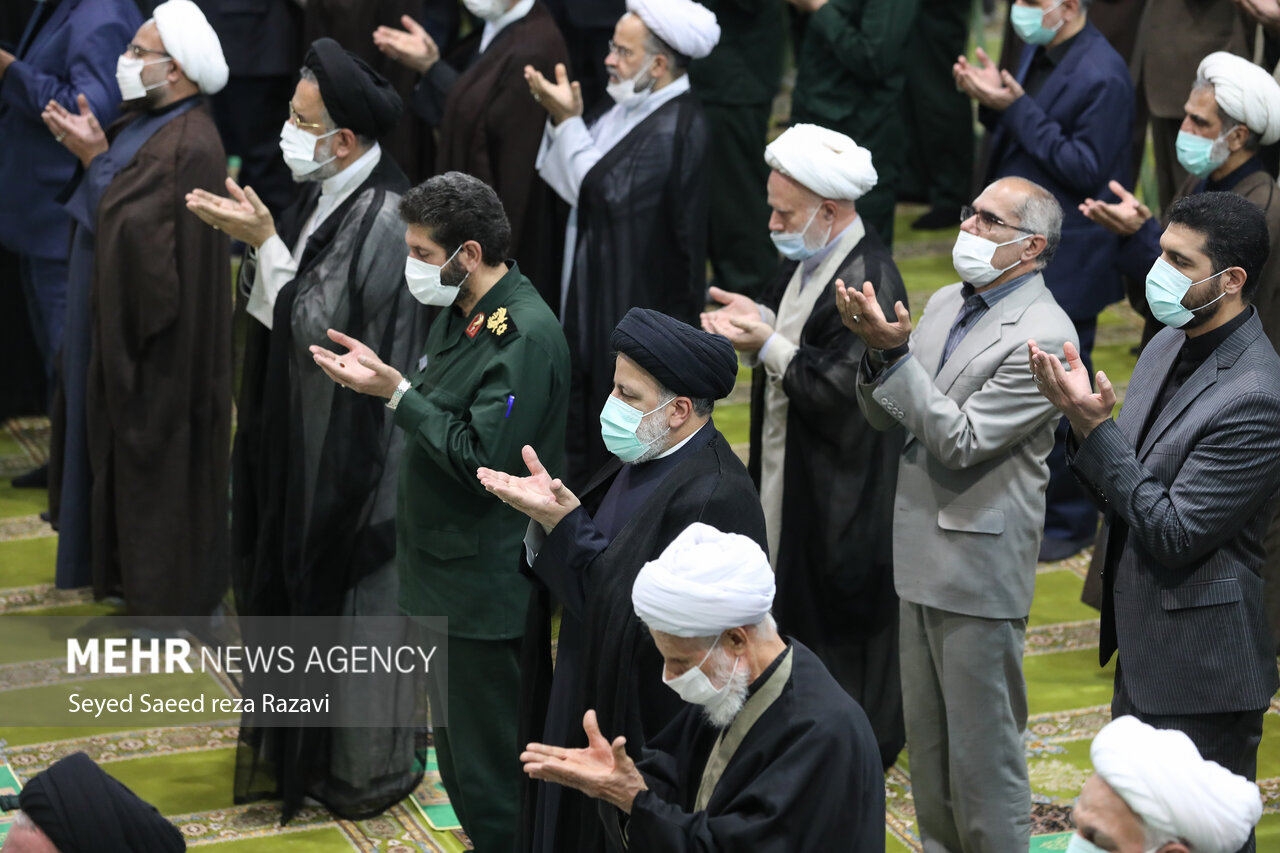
[567, 153]
[564, 562]
[431, 92]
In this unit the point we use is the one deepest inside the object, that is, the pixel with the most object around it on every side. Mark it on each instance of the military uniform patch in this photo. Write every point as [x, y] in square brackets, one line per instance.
[500, 323]
[476, 322]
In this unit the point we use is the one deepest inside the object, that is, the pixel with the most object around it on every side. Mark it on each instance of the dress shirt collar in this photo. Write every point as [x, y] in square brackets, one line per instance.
[492, 28]
[676, 87]
[352, 176]
[672, 450]
[1200, 347]
[995, 294]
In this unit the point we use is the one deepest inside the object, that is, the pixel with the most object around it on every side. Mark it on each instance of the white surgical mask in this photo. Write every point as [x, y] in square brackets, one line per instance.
[299, 149]
[624, 91]
[971, 256]
[129, 77]
[1080, 844]
[486, 10]
[424, 281]
[693, 685]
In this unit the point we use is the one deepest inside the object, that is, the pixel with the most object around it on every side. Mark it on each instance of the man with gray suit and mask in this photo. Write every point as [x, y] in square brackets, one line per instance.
[969, 509]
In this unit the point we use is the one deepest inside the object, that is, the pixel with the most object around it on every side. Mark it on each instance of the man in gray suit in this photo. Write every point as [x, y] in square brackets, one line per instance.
[969, 509]
[1186, 477]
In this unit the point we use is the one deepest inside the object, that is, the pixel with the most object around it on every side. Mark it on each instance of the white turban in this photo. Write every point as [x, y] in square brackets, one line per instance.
[704, 582]
[189, 39]
[1244, 91]
[690, 28]
[829, 163]
[1159, 773]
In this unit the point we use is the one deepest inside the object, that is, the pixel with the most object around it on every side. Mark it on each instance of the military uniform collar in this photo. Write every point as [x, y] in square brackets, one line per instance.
[491, 310]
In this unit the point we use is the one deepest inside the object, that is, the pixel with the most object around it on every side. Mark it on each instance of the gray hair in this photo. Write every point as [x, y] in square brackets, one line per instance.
[1253, 141]
[365, 142]
[702, 406]
[765, 629]
[655, 46]
[1041, 214]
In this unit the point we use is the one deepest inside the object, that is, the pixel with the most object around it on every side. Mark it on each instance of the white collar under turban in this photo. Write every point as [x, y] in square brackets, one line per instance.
[829, 163]
[1159, 773]
[703, 583]
[1244, 91]
[189, 39]
[690, 28]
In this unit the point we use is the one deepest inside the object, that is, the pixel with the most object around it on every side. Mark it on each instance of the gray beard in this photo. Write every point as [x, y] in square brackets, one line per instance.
[650, 433]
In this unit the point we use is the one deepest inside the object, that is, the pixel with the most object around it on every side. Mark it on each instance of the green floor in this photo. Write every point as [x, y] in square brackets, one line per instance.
[186, 772]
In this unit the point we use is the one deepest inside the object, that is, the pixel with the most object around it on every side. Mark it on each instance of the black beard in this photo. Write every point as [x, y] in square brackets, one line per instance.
[1198, 317]
[451, 276]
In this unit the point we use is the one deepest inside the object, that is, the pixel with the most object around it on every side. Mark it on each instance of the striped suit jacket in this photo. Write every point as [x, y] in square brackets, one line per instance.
[1182, 599]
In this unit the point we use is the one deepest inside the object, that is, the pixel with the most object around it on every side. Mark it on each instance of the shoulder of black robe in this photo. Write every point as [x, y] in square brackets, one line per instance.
[806, 777]
[642, 223]
[621, 665]
[83, 810]
[263, 440]
[835, 557]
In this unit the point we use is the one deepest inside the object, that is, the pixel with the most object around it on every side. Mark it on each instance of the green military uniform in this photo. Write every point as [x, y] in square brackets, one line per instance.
[736, 84]
[849, 77]
[488, 384]
[939, 118]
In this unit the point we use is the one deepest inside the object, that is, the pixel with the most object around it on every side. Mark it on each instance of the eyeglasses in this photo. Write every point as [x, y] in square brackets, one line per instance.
[988, 220]
[298, 122]
[139, 51]
[619, 50]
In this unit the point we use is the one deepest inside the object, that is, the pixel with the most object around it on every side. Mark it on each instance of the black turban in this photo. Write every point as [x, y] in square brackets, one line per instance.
[357, 97]
[688, 361]
[83, 809]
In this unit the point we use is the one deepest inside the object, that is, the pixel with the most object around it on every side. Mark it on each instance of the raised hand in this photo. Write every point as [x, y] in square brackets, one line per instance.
[862, 315]
[80, 132]
[1070, 392]
[985, 82]
[543, 498]
[1124, 217]
[243, 216]
[602, 770]
[412, 47]
[562, 99]
[359, 368]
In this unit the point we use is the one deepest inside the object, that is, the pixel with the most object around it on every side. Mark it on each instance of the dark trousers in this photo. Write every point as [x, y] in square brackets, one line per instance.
[249, 113]
[477, 750]
[44, 284]
[742, 256]
[1231, 739]
[938, 168]
[1068, 512]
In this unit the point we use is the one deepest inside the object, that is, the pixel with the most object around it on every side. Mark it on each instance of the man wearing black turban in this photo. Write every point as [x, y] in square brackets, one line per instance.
[315, 466]
[671, 467]
[78, 808]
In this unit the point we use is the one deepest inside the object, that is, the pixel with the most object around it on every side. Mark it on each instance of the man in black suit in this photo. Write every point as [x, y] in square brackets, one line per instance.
[1185, 477]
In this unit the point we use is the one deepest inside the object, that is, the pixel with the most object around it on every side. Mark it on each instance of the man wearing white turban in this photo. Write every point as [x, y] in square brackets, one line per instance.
[634, 176]
[827, 492]
[769, 752]
[1233, 110]
[153, 388]
[1151, 791]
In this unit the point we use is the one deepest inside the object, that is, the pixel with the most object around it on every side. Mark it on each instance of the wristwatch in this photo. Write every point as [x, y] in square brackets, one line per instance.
[399, 392]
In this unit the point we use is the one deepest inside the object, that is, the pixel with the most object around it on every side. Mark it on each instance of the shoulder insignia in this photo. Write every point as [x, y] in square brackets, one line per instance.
[476, 322]
[500, 322]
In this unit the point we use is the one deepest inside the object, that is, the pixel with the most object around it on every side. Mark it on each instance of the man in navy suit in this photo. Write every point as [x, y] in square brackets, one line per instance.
[1064, 121]
[69, 48]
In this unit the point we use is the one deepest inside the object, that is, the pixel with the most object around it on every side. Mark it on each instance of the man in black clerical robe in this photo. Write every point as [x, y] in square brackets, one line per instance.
[634, 174]
[476, 98]
[770, 754]
[315, 466]
[628, 514]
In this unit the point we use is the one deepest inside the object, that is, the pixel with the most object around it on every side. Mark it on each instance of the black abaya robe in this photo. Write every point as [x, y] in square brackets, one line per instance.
[835, 552]
[606, 659]
[641, 242]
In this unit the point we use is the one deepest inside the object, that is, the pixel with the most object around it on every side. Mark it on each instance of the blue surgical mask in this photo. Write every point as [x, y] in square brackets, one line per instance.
[1198, 155]
[618, 425]
[791, 245]
[1028, 23]
[1166, 288]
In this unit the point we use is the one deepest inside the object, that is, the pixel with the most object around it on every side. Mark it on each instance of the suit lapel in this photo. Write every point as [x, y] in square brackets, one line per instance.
[1141, 396]
[988, 331]
[928, 347]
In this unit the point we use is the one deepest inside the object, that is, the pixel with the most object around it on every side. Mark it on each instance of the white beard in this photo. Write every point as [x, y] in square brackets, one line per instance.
[721, 712]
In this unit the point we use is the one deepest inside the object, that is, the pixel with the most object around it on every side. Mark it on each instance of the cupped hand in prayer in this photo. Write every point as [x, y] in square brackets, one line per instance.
[243, 216]
[1124, 217]
[412, 47]
[80, 132]
[359, 368]
[1070, 391]
[986, 83]
[561, 99]
[603, 770]
[543, 498]
[862, 315]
